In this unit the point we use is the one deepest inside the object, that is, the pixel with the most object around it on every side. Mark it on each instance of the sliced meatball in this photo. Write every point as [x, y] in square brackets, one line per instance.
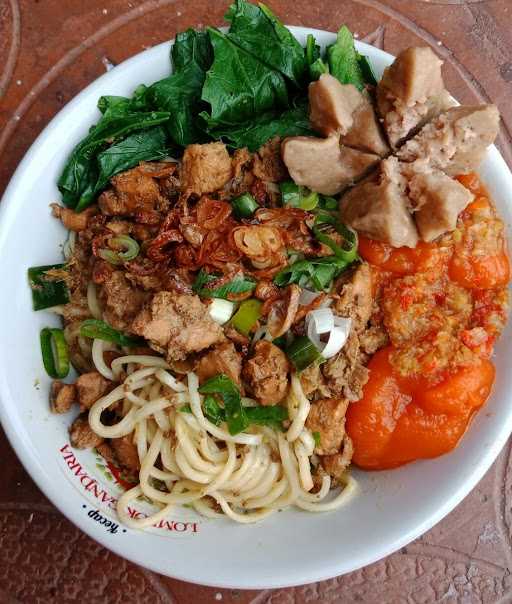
[378, 208]
[266, 373]
[121, 301]
[323, 165]
[91, 387]
[337, 108]
[62, 396]
[455, 141]
[177, 324]
[132, 191]
[327, 418]
[411, 92]
[81, 434]
[205, 168]
[222, 359]
[126, 452]
[438, 200]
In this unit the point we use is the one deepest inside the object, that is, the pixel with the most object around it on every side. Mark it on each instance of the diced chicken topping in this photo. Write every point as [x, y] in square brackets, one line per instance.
[335, 465]
[74, 221]
[205, 168]
[455, 141]
[344, 374]
[323, 165]
[438, 200]
[411, 92]
[177, 324]
[81, 434]
[126, 452]
[327, 418]
[121, 301]
[222, 359]
[356, 299]
[91, 387]
[62, 396]
[268, 164]
[132, 191]
[267, 373]
[378, 208]
[337, 108]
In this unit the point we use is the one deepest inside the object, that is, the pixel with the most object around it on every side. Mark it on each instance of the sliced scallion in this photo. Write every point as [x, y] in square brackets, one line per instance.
[123, 249]
[221, 310]
[297, 196]
[46, 290]
[54, 351]
[246, 316]
[244, 205]
[324, 223]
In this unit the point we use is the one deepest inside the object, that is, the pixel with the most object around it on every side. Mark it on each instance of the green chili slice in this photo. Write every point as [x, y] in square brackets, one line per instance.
[54, 351]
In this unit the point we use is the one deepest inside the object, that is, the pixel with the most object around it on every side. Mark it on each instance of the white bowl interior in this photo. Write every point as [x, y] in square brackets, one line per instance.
[292, 547]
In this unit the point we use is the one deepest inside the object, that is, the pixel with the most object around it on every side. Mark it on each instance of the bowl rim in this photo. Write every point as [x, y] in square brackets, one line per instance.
[50, 489]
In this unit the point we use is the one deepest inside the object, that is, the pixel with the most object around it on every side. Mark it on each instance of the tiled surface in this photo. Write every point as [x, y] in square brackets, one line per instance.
[49, 50]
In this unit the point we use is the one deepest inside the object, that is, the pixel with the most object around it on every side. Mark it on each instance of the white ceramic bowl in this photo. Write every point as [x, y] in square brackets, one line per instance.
[293, 547]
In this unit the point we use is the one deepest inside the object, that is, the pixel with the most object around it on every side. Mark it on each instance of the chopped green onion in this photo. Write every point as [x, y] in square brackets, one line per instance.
[325, 222]
[213, 411]
[297, 196]
[302, 353]
[124, 249]
[236, 418]
[272, 415]
[54, 351]
[330, 204]
[247, 316]
[185, 408]
[93, 328]
[221, 310]
[204, 285]
[47, 292]
[315, 273]
[244, 205]
[312, 49]
[317, 438]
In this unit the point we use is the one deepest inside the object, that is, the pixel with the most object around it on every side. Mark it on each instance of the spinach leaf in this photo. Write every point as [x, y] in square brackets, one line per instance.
[180, 93]
[212, 410]
[257, 131]
[343, 59]
[316, 65]
[236, 417]
[205, 285]
[272, 415]
[367, 70]
[238, 86]
[78, 179]
[258, 31]
[315, 273]
[146, 145]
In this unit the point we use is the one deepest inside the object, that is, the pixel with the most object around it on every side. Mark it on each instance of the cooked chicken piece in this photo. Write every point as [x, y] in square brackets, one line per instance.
[268, 164]
[81, 434]
[205, 168]
[267, 373]
[374, 338]
[223, 358]
[323, 165]
[356, 298]
[126, 452]
[132, 191]
[344, 373]
[177, 324]
[313, 382]
[121, 301]
[335, 465]
[411, 92]
[377, 208]
[327, 417]
[105, 450]
[91, 387]
[62, 396]
[337, 108]
[438, 200]
[74, 221]
[455, 141]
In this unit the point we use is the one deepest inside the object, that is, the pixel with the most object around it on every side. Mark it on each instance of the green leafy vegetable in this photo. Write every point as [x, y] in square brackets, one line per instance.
[185, 408]
[213, 411]
[261, 128]
[238, 86]
[244, 205]
[236, 417]
[302, 353]
[367, 70]
[344, 60]
[328, 204]
[246, 316]
[77, 182]
[258, 31]
[207, 285]
[317, 439]
[47, 291]
[54, 351]
[316, 65]
[192, 46]
[94, 328]
[314, 273]
[271, 415]
[297, 196]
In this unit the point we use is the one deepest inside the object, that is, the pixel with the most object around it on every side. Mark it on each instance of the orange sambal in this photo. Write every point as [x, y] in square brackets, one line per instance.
[443, 305]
